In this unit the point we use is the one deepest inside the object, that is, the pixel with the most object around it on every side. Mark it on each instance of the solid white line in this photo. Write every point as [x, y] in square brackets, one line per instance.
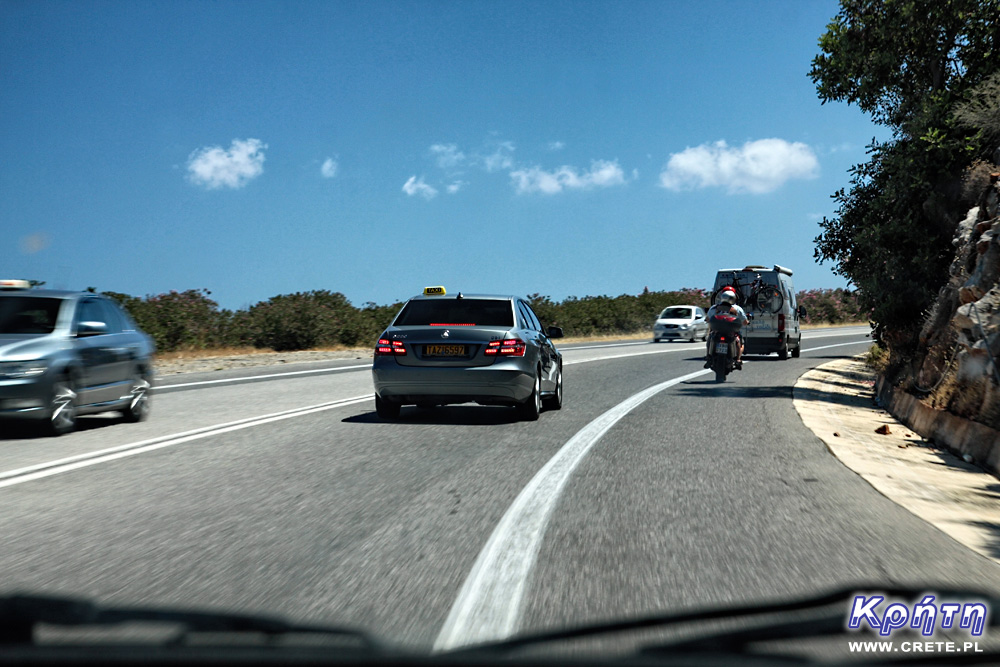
[634, 354]
[48, 469]
[259, 377]
[834, 335]
[827, 347]
[489, 603]
[595, 347]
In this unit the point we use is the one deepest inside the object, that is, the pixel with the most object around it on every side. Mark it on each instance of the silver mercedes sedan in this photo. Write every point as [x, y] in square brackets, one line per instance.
[444, 349]
[63, 354]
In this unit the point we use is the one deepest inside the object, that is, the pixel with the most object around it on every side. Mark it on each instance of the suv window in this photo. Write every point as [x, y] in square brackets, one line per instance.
[28, 314]
[456, 312]
[111, 316]
[90, 311]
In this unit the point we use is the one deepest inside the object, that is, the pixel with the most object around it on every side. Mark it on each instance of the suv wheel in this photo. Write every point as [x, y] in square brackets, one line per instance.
[531, 408]
[62, 408]
[138, 404]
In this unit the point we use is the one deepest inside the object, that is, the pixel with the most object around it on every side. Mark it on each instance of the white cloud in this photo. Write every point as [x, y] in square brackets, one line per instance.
[448, 155]
[501, 158]
[214, 167]
[329, 168]
[455, 187]
[756, 167]
[556, 145]
[416, 186]
[602, 174]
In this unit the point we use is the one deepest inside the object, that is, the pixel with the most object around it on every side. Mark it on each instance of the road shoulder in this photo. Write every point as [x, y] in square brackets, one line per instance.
[960, 499]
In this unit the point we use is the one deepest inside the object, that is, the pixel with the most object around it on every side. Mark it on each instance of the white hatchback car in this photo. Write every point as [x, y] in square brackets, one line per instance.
[680, 323]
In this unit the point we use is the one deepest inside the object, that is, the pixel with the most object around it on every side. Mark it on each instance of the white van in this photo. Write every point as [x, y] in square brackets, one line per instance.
[769, 296]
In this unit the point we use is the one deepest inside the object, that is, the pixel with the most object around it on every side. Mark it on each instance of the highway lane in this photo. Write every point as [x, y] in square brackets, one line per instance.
[703, 493]
[224, 397]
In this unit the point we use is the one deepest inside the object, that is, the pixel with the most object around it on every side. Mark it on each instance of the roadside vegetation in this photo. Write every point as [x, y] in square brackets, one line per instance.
[192, 321]
[928, 71]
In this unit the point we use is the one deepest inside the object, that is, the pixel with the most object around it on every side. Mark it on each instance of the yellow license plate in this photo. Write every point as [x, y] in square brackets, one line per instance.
[444, 351]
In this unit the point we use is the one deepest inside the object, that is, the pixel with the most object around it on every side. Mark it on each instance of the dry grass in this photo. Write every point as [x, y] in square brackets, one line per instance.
[877, 359]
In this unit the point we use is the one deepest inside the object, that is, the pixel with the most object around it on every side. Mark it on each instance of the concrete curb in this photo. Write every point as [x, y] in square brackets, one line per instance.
[980, 442]
[835, 401]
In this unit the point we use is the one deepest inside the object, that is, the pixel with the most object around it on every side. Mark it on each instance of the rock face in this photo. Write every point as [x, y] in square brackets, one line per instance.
[958, 366]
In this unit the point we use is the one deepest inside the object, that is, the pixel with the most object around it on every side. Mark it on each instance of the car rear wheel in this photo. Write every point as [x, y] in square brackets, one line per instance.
[783, 352]
[797, 350]
[386, 409]
[138, 405]
[62, 408]
[531, 408]
[554, 402]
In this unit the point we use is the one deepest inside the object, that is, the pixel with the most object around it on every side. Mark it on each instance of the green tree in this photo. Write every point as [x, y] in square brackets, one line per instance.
[908, 63]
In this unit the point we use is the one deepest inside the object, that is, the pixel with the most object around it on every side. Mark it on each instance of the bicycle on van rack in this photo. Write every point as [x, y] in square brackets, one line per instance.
[756, 294]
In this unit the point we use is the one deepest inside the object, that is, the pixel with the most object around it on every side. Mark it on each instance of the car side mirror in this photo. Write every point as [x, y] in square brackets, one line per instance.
[554, 332]
[91, 329]
[802, 311]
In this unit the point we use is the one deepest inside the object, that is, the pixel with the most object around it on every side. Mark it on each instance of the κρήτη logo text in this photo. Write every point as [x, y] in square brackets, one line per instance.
[925, 614]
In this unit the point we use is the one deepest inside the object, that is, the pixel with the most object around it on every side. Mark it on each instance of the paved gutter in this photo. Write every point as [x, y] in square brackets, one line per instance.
[835, 401]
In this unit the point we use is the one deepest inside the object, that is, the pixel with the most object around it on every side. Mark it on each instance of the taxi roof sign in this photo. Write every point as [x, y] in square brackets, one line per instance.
[15, 284]
[434, 291]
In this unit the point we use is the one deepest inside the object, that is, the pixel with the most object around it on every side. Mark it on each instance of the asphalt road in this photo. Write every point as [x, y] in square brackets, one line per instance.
[279, 491]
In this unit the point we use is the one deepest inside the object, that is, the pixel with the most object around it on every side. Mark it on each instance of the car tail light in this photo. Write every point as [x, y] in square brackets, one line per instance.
[387, 348]
[509, 347]
[781, 323]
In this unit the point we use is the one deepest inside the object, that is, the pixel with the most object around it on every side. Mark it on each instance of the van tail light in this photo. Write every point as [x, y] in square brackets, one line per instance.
[387, 348]
[509, 347]
[781, 323]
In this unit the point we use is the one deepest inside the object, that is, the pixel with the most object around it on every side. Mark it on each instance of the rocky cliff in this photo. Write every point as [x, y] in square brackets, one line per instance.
[956, 367]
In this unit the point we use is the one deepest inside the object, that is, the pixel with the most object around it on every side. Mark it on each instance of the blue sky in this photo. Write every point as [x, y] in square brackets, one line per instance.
[371, 148]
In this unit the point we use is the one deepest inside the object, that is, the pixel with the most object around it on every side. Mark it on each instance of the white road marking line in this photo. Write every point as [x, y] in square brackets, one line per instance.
[595, 347]
[633, 354]
[835, 335]
[489, 602]
[259, 377]
[827, 347]
[29, 473]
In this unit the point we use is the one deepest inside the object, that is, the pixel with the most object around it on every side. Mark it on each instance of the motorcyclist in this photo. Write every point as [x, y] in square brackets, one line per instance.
[725, 303]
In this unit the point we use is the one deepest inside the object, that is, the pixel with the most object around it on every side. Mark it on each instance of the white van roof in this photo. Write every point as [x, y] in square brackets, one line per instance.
[757, 267]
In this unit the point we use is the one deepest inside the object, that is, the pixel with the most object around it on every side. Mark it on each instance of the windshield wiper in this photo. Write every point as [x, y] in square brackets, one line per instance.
[736, 642]
[21, 615]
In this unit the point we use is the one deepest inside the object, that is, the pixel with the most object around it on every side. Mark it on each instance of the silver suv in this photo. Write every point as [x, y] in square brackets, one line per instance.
[64, 354]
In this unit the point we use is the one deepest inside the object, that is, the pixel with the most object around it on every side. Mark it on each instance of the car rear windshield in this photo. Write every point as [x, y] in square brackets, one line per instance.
[676, 314]
[456, 312]
[28, 315]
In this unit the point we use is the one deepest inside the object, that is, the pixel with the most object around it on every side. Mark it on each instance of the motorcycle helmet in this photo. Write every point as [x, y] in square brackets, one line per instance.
[727, 295]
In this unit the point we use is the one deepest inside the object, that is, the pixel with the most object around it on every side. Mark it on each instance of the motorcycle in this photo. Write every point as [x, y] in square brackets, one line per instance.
[723, 329]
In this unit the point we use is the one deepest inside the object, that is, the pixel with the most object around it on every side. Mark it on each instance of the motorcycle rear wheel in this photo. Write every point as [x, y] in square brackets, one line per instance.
[719, 366]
